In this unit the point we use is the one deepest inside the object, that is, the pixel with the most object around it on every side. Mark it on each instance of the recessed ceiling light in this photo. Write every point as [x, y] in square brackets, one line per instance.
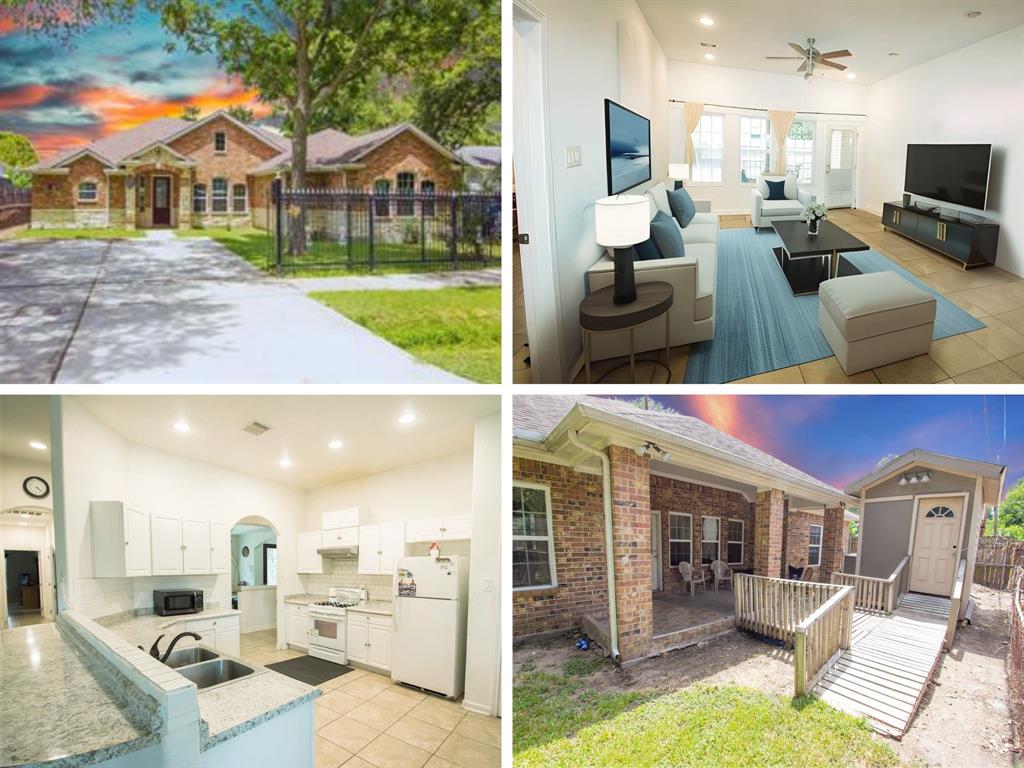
[850, 76]
[972, 14]
[709, 56]
[335, 445]
[37, 445]
[285, 461]
[182, 426]
[407, 418]
[707, 21]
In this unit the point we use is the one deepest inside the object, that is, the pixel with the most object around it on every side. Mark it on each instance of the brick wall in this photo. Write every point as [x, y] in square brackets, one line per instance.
[406, 153]
[55, 198]
[670, 495]
[631, 523]
[243, 152]
[797, 537]
[577, 514]
[834, 535]
[768, 533]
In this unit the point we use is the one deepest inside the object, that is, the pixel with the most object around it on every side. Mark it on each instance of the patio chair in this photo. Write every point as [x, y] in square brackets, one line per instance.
[795, 572]
[720, 572]
[689, 577]
[808, 574]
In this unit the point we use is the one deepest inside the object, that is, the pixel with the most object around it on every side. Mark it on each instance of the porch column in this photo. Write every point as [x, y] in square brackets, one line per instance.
[631, 524]
[768, 523]
[185, 199]
[129, 200]
[832, 543]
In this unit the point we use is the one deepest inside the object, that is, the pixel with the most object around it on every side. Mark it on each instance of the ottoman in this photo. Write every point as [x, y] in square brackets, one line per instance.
[874, 319]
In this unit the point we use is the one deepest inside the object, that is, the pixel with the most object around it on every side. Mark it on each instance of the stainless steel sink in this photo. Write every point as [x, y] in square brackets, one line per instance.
[186, 656]
[207, 674]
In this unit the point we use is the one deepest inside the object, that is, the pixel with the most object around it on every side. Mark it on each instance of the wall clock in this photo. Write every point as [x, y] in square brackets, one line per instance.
[245, 551]
[36, 487]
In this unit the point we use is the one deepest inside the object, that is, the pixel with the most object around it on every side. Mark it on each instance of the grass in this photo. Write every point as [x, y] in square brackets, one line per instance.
[562, 722]
[78, 234]
[457, 329]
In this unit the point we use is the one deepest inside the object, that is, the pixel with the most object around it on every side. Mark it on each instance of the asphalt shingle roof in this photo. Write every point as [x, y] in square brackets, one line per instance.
[484, 157]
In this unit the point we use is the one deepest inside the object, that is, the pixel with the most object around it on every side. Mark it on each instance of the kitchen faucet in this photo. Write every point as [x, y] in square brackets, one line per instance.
[154, 651]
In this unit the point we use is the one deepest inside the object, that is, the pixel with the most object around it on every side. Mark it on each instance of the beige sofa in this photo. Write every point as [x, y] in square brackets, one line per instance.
[692, 277]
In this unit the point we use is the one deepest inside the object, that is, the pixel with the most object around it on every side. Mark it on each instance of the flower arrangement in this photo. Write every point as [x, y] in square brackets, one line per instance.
[814, 213]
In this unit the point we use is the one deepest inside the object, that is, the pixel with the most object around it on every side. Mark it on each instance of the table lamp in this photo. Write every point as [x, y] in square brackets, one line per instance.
[622, 221]
[680, 172]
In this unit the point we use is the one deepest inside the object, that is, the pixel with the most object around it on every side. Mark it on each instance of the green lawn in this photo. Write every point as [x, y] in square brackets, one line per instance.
[559, 721]
[78, 234]
[457, 329]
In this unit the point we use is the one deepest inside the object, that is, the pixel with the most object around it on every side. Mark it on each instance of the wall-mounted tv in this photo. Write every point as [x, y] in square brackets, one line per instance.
[949, 173]
[628, 147]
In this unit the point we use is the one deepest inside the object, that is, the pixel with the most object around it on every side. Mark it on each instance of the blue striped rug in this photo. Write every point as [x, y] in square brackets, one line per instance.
[761, 326]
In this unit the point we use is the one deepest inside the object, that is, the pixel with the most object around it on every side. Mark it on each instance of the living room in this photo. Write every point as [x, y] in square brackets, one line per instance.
[904, 127]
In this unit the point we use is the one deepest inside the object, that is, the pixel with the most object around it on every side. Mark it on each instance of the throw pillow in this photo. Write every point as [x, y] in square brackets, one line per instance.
[647, 250]
[776, 189]
[682, 206]
[666, 235]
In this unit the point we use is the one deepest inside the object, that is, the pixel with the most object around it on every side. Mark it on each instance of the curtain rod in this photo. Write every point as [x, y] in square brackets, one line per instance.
[761, 109]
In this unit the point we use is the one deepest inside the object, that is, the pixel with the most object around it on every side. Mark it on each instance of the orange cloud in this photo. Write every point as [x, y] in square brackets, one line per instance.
[24, 96]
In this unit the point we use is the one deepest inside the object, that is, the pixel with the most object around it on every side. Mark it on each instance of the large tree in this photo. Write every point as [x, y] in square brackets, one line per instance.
[16, 152]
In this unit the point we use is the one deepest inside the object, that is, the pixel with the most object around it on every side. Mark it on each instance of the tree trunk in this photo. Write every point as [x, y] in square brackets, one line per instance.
[297, 212]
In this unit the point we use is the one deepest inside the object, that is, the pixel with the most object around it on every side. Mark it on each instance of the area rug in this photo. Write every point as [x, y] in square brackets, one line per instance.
[761, 326]
[309, 670]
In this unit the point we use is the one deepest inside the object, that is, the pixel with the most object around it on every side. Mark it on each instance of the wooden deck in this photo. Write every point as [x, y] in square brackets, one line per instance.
[885, 672]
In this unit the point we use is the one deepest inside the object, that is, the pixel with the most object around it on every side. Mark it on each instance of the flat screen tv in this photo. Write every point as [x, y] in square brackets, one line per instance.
[628, 147]
[949, 173]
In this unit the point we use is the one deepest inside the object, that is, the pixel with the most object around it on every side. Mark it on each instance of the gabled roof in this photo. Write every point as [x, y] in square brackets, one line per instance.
[482, 157]
[536, 418]
[993, 474]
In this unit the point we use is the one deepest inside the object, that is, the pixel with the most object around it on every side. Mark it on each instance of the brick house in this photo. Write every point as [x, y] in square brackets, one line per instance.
[678, 490]
[217, 172]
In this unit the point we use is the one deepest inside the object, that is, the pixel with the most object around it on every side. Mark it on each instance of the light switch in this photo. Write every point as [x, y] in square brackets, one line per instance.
[573, 157]
[488, 585]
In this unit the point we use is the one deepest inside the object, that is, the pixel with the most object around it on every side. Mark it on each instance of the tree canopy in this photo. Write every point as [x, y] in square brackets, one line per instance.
[16, 152]
[190, 113]
[1011, 513]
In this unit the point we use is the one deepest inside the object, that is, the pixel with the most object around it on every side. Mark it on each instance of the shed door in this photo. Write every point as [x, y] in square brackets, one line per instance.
[936, 545]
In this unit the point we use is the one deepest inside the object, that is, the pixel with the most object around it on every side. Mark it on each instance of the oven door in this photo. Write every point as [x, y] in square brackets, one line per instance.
[328, 632]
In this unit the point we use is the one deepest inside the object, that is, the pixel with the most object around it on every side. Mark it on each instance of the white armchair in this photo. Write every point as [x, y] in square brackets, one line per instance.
[721, 573]
[763, 211]
[692, 578]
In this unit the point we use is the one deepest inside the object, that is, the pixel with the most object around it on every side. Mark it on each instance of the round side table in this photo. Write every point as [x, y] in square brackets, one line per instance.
[600, 314]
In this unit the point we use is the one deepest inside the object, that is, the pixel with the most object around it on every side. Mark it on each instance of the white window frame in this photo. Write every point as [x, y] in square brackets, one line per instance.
[790, 151]
[96, 191]
[199, 199]
[718, 541]
[224, 137]
[694, 181]
[729, 540]
[747, 147]
[245, 198]
[679, 541]
[224, 197]
[819, 545]
[550, 538]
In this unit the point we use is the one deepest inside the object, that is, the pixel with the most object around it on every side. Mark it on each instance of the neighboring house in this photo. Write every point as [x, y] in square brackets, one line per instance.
[680, 490]
[218, 171]
[483, 168]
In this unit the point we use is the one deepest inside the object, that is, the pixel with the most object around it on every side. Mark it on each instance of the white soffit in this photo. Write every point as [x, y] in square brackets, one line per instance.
[746, 32]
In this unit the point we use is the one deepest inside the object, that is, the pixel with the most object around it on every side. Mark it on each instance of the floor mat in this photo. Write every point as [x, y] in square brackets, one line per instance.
[309, 669]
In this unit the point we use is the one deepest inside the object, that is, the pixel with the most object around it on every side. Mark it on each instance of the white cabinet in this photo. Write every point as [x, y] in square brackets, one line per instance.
[368, 639]
[307, 558]
[221, 633]
[299, 625]
[439, 529]
[340, 518]
[167, 543]
[120, 540]
[220, 548]
[341, 537]
[228, 637]
[195, 539]
[380, 546]
[188, 546]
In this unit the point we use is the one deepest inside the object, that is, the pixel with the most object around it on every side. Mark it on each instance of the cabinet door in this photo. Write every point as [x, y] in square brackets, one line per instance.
[341, 537]
[458, 527]
[298, 629]
[424, 530]
[137, 553]
[348, 518]
[167, 553]
[308, 559]
[358, 638]
[220, 548]
[369, 549]
[195, 536]
[392, 546]
[330, 520]
[380, 646]
[227, 636]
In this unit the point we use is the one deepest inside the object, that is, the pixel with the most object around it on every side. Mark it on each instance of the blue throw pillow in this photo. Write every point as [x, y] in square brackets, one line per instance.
[647, 250]
[776, 189]
[666, 235]
[682, 206]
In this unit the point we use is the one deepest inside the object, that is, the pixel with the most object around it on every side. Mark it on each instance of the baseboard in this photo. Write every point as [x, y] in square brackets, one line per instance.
[258, 629]
[480, 709]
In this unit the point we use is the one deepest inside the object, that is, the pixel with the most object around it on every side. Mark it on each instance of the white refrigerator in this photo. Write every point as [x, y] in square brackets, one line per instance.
[428, 641]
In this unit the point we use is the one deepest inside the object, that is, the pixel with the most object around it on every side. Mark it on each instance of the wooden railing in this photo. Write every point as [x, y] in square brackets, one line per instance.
[775, 607]
[871, 593]
[956, 598]
[820, 638]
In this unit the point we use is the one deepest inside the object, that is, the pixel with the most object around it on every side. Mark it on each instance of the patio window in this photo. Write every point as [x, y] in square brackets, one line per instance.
[734, 546]
[220, 142]
[220, 195]
[199, 198]
[88, 192]
[814, 546]
[382, 206]
[533, 548]
[406, 186]
[238, 198]
[710, 529]
[680, 538]
[427, 206]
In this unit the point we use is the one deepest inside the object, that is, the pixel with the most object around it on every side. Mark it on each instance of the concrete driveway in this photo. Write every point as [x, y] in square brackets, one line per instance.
[170, 310]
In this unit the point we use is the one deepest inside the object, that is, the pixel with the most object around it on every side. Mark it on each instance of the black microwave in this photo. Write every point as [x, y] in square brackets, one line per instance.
[172, 602]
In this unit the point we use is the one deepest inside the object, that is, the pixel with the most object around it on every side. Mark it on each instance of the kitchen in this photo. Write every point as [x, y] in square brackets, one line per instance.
[380, 639]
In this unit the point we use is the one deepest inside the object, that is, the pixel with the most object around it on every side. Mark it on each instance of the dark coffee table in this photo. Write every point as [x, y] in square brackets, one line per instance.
[807, 260]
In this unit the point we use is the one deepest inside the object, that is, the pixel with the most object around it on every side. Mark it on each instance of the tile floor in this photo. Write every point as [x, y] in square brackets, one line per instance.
[19, 618]
[364, 720]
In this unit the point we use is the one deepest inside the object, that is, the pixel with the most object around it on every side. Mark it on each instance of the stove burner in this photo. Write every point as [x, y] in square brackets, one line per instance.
[334, 604]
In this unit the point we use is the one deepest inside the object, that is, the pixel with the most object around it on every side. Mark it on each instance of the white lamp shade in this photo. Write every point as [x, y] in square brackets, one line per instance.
[622, 220]
[680, 171]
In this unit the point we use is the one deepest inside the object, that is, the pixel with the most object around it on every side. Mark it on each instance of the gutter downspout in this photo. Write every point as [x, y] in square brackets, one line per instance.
[609, 539]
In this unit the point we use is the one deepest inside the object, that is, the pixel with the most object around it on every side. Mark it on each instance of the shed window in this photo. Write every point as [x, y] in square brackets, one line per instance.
[734, 547]
[88, 192]
[814, 545]
[940, 512]
[533, 548]
[710, 538]
[680, 541]
[220, 142]
[220, 195]
[199, 198]
[406, 186]
[427, 206]
[238, 198]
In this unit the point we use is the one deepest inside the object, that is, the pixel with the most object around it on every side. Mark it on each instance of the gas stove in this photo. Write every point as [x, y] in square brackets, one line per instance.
[327, 636]
[331, 606]
[338, 599]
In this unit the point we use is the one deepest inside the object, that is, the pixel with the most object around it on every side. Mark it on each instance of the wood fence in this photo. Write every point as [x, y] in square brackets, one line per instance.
[15, 206]
[871, 593]
[821, 638]
[997, 561]
[1015, 659]
[775, 607]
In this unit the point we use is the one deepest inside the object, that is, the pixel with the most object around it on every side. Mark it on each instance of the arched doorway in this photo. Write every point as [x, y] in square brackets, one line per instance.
[26, 573]
[254, 579]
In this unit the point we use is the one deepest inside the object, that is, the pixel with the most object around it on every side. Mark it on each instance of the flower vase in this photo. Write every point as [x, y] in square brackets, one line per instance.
[812, 226]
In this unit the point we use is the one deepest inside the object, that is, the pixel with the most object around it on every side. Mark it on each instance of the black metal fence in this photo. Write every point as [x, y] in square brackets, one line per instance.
[15, 206]
[364, 231]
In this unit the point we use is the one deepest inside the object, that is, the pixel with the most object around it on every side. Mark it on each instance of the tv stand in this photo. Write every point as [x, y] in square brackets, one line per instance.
[971, 241]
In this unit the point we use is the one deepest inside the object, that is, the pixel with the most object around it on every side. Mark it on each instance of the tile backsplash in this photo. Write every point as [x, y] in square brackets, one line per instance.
[343, 573]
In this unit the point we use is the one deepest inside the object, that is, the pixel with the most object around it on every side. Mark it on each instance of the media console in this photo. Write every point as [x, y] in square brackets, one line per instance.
[971, 242]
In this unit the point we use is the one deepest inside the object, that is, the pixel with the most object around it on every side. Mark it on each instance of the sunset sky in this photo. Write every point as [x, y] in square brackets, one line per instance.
[112, 78]
[839, 439]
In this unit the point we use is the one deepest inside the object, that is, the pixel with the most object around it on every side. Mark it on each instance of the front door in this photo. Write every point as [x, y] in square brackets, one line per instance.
[655, 550]
[842, 146]
[161, 201]
[936, 545]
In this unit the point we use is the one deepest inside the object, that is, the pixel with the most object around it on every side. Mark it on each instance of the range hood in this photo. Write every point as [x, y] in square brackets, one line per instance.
[339, 552]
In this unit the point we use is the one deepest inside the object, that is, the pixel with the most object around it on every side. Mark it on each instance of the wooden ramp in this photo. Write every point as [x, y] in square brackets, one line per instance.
[886, 670]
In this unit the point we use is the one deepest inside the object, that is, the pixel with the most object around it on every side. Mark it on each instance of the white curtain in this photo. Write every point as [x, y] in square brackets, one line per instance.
[781, 122]
[692, 110]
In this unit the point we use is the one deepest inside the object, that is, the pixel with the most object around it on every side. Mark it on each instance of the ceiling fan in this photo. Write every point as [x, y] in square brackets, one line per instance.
[811, 56]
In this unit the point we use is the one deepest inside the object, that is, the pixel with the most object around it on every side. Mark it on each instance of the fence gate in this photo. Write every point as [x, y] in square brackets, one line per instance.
[359, 230]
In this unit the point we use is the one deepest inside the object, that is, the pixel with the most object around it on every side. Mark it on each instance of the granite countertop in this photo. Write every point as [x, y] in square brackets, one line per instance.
[304, 598]
[231, 709]
[144, 629]
[381, 607]
[54, 711]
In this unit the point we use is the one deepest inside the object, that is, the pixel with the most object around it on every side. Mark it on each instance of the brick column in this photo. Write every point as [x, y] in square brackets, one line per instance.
[631, 523]
[130, 183]
[768, 522]
[832, 543]
[185, 199]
